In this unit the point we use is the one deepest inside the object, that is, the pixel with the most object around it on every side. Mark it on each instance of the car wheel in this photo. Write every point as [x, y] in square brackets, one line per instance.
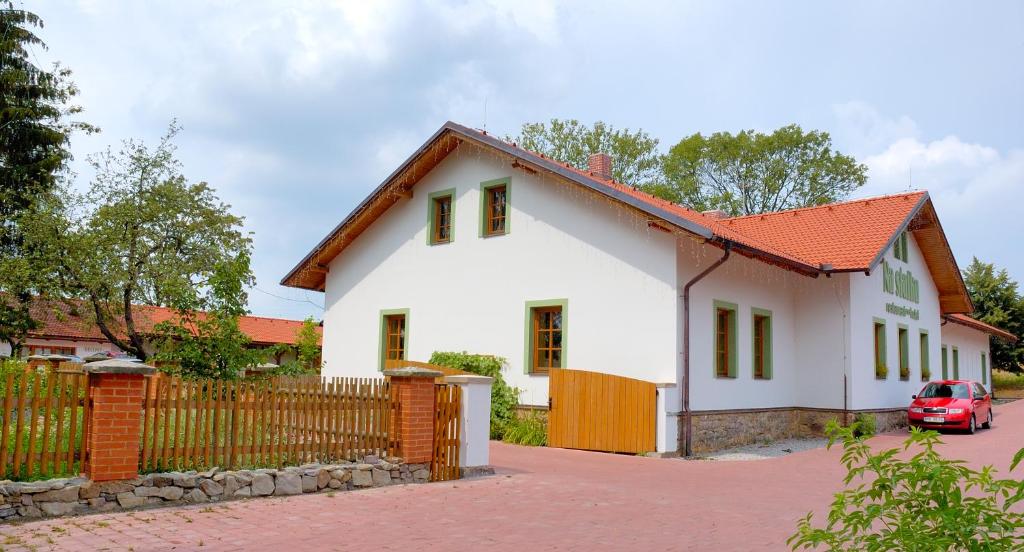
[971, 426]
[988, 420]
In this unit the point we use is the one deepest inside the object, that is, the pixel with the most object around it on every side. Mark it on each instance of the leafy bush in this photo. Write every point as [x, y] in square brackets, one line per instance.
[926, 373]
[864, 425]
[904, 372]
[504, 398]
[881, 371]
[927, 502]
[1002, 379]
[529, 429]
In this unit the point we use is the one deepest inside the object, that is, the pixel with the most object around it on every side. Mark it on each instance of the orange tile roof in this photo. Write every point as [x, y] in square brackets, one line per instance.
[848, 235]
[976, 324]
[62, 321]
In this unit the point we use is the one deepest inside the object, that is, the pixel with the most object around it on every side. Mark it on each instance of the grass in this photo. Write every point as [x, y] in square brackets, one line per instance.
[527, 429]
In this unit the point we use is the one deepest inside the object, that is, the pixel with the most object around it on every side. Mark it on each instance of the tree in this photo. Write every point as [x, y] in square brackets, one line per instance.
[997, 302]
[635, 154]
[926, 502]
[306, 348]
[143, 234]
[753, 173]
[35, 129]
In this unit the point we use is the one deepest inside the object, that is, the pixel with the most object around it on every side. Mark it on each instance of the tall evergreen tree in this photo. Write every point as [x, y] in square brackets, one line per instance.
[35, 128]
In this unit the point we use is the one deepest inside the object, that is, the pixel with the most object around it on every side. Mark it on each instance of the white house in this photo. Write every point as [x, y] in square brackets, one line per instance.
[781, 320]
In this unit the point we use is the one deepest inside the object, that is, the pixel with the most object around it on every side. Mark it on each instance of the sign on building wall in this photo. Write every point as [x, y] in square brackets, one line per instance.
[904, 285]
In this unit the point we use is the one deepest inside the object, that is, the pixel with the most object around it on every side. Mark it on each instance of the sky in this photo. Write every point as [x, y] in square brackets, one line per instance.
[295, 110]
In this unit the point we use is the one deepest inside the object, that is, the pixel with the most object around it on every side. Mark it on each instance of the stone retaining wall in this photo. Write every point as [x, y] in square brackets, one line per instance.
[58, 497]
[725, 429]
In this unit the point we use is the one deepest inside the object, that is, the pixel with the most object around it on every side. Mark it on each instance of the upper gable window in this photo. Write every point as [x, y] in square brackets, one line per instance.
[441, 216]
[900, 249]
[494, 196]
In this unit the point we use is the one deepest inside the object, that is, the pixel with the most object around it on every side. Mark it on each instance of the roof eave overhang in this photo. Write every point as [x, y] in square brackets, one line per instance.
[961, 298]
[984, 328]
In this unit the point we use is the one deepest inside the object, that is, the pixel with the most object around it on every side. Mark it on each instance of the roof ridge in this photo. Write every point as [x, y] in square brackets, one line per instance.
[826, 205]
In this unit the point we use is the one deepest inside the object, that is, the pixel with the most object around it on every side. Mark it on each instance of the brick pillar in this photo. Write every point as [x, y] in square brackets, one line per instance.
[117, 391]
[413, 388]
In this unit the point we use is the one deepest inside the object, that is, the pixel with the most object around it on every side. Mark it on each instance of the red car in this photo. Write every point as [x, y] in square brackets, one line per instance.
[951, 404]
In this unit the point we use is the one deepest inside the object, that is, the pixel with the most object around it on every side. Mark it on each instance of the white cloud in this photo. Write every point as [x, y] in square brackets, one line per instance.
[976, 188]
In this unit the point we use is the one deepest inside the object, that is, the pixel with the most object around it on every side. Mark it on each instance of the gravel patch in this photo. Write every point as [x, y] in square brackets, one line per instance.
[765, 450]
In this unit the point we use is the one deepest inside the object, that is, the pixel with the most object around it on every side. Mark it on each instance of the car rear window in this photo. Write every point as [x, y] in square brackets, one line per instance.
[942, 390]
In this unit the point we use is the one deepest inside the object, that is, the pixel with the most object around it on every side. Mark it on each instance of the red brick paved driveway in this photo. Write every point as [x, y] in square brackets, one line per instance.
[542, 499]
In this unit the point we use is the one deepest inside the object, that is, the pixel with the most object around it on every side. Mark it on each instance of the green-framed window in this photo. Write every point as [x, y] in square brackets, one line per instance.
[394, 336]
[761, 334]
[903, 339]
[926, 368]
[900, 248]
[945, 362]
[495, 196]
[726, 350]
[984, 369]
[881, 370]
[956, 363]
[441, 217]
[547, 328]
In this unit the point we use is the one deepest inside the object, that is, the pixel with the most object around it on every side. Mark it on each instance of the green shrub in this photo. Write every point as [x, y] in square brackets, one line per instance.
[504, 398]
[926, 502]
[1002, 379]
[864, 425]
[529, 429]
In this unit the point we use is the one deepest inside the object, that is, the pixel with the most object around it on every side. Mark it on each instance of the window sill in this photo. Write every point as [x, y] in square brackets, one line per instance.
[498, 235]
[433, 243]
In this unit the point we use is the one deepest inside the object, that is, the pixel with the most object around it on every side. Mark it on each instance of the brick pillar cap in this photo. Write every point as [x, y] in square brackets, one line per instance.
[466, 378]
[413, 372]
[116, 366]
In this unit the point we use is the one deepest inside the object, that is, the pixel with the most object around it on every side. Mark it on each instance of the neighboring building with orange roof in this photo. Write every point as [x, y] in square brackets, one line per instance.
[65, 329]
[756, 326]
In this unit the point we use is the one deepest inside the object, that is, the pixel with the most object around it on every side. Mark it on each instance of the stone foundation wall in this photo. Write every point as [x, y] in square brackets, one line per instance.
[58, 497]
[725, 429]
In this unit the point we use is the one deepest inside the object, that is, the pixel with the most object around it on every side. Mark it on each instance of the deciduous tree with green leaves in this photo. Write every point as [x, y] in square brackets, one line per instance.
[36, 123]
[636, 160]
[922, 502]
[998, 302]
[144, 235]
[752, 172]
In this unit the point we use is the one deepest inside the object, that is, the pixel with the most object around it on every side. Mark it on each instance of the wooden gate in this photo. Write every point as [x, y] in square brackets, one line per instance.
[594, 411]
[444, 462]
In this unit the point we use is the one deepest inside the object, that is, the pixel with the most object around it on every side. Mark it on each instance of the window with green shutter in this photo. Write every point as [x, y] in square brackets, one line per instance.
[956, 363]
[881, 370]
[761, 332]
[903, 339]
[725, 339]
[926, 369]
[984, 369]
[945, 363]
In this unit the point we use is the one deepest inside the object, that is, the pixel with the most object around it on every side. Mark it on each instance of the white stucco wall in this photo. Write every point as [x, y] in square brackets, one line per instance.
[618, 275]
[82, 348]
[807, 332]
[868, 300]
[970, 345]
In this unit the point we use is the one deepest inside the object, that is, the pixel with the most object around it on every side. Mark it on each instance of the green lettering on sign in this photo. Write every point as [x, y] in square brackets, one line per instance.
[900, 283]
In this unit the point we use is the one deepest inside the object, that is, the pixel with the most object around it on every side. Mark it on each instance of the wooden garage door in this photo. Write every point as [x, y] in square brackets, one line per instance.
[594, 411]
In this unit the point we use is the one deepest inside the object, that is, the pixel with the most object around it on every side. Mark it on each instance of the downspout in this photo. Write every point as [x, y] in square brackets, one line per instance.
[687, 428]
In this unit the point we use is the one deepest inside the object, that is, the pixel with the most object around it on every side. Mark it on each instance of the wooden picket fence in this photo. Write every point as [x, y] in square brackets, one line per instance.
[44, 423]
[197, 424]
[444, 463]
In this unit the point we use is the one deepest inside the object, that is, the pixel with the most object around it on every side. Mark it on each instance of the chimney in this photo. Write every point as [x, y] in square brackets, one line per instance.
[715, 214]
[600, 164]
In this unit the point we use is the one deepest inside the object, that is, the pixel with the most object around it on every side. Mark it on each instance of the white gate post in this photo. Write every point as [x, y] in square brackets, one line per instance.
[474, 419]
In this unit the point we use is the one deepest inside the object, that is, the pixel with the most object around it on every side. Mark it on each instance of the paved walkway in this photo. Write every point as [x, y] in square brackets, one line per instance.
[541, 499]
